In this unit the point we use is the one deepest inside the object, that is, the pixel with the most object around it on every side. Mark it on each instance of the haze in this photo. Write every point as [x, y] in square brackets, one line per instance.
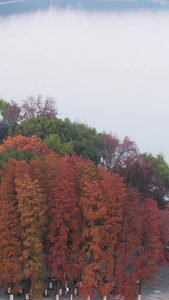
[109, 69]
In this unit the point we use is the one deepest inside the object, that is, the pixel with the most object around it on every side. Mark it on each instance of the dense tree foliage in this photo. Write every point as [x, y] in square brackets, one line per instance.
[53, 142]
[64, 221]
[150, 175]
[79, 205]
[144, 172]
[10, 244]
[32, 210]
[80, 222]
[32, 145]
[62, 136]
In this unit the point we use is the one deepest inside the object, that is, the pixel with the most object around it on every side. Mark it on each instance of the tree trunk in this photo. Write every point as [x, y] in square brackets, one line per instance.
[57, 297]
[60, 292]
[139, 293]
[75, 292]
[11, 297]
[58, 287]
[27, 297]
[50, 285]
[46, 292]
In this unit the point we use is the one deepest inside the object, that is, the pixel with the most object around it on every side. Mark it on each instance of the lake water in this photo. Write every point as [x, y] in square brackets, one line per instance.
[105, 63]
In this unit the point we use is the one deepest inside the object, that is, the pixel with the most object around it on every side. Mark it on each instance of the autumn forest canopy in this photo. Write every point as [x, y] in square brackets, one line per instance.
[77, 205]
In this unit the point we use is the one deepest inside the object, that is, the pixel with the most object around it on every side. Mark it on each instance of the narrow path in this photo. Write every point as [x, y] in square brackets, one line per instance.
[160, 289]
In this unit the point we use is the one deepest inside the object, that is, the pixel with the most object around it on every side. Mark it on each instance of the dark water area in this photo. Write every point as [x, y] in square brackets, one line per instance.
[8, 8]
[20, 7]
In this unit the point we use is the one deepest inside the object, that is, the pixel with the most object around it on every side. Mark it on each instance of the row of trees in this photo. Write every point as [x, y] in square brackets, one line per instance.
[150, 175]
[78, 221]
[102, 223]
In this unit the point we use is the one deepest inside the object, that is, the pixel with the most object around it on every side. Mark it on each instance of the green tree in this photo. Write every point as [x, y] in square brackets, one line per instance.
[53, 142]
[19, 155]
[3, 130]
[162, 169]
[3, 124]
[3, 107]
[75, 137]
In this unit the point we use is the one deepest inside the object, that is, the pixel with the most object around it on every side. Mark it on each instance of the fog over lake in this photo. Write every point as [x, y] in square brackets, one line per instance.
[105, 63]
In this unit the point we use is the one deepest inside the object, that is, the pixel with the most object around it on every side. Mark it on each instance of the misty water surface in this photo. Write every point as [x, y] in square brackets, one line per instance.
[106, 64]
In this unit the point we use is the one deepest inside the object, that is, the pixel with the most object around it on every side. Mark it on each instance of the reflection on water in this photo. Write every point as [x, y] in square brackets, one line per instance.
[8, 7]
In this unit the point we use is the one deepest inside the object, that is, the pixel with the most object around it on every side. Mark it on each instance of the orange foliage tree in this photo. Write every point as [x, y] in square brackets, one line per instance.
[32, 209]
[29, 144]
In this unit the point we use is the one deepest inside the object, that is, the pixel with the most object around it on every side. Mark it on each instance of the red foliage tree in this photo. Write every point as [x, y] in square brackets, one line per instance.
[141, 174]
[10, 243]
[113, 198]
[64, 221]
[164, 235]
[101, 195]
[151, 242]
[130, 246]
[139, 244]
[115, 153]
[34, 107]
[108, 146]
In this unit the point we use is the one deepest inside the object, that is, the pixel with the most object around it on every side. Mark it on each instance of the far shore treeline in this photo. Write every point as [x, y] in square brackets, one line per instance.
[77, 205]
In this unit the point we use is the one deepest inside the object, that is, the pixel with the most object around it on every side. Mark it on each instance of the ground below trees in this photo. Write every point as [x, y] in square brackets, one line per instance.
[158, 291]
